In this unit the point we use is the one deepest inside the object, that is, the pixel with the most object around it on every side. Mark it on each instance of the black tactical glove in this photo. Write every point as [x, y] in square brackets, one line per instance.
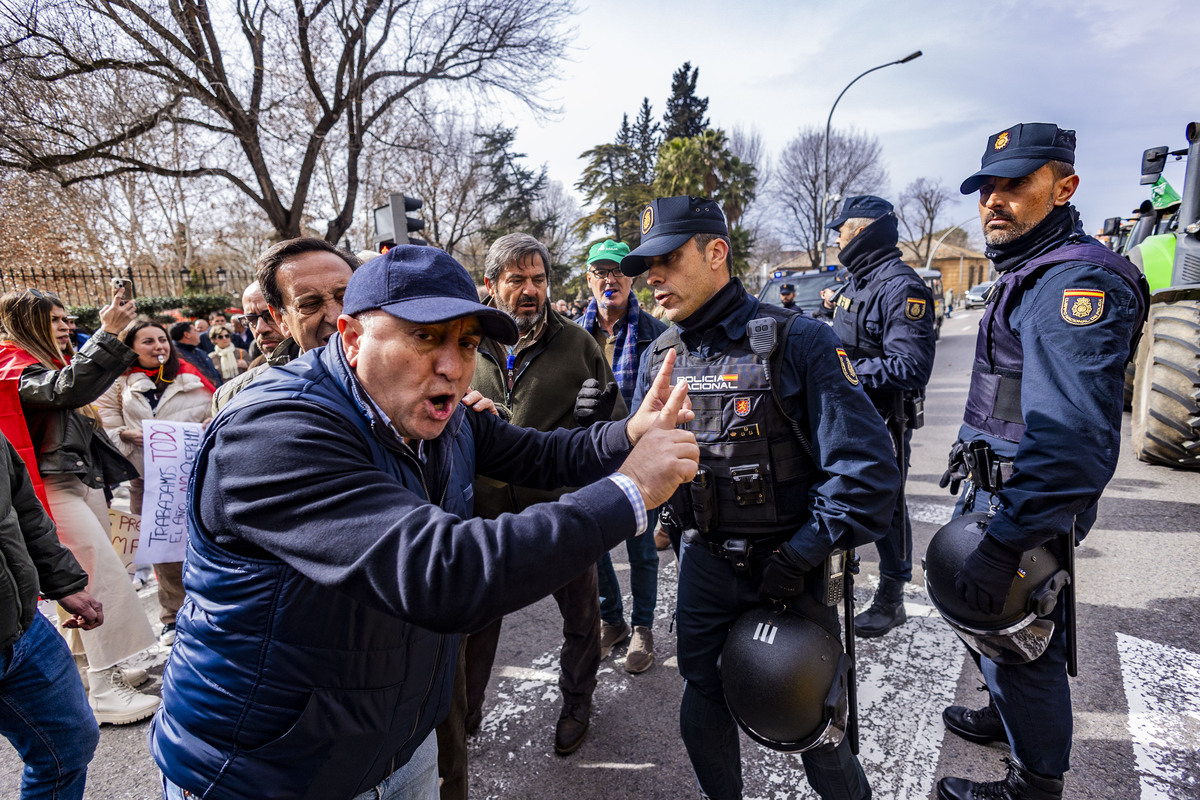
[593, 405]
[987, 576]
[956, 470]
[783, 574]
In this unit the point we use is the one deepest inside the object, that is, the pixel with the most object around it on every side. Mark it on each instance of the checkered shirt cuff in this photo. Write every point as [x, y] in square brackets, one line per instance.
[635, 499]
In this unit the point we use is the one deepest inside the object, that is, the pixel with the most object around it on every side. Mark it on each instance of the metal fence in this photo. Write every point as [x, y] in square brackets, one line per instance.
[90, 287]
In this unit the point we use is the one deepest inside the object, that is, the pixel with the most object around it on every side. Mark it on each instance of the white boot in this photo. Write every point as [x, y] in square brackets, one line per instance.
[134, 676]
[114, 702]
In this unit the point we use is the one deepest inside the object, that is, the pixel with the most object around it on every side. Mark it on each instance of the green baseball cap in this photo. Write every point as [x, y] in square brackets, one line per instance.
[608, 250]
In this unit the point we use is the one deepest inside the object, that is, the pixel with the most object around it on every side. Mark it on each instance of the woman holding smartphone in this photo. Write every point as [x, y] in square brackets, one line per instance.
[56, 388]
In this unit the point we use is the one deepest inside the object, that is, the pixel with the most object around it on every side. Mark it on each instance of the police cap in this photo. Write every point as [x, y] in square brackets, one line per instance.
[1020, 150]
[668, 223]
[787, 288]
[864, 206]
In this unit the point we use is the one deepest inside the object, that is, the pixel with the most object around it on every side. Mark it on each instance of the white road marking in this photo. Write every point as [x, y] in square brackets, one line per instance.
[523, 674]
[613, 765]
[935, 513]
[1162, 688]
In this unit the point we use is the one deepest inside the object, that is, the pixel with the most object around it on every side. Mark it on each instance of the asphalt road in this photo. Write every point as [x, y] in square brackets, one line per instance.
[1136, 701]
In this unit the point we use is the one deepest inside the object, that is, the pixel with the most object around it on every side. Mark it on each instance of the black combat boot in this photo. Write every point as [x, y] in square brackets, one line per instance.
[1018, 784]
[982, 726]
[886, 611]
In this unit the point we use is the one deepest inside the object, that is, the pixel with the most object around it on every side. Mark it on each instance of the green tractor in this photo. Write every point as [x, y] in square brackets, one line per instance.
[1166, 381]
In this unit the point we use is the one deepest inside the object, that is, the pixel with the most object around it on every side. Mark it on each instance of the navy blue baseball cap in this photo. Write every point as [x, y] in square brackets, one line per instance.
[1020, 150]
[863, 206]
[425, 285]
[668, 223]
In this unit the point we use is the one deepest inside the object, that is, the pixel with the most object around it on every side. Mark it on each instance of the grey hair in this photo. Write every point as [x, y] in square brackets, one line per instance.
[511, 249]
[858, 222]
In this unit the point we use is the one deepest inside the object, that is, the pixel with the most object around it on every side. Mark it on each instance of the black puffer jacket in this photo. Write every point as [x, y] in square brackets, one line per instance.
[31, 558]
[65, 440]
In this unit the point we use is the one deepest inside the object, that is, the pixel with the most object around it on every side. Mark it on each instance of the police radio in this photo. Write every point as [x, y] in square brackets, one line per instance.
[832, 581]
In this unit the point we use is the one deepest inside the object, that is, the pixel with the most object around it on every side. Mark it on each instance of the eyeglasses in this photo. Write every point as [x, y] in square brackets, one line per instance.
[252, 319]
[605, 274]
[221, 336]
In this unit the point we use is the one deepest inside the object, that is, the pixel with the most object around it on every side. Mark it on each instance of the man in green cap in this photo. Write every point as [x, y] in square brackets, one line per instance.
[623, 331]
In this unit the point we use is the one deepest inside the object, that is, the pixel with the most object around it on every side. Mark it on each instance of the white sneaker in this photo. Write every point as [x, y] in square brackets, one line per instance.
[167, 637]
[116, 703]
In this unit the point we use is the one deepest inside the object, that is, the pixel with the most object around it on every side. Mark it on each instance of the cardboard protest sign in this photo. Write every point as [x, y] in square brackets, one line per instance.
[169, 450]
[124, 529]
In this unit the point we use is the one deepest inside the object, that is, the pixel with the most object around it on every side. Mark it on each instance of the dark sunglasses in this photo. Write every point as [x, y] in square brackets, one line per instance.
[221, 336]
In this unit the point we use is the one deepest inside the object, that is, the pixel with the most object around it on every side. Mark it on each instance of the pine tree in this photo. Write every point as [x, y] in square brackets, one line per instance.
[684, 117]
[513, 188]
[645, 142]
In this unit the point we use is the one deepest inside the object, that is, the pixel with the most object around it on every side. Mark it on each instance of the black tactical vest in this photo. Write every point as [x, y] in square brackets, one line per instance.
[855, 304]
[759, 472]
[994, 401]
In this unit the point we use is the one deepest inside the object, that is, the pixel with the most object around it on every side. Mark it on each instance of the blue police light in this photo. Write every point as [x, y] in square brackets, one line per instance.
[831, 268]
[778, 274]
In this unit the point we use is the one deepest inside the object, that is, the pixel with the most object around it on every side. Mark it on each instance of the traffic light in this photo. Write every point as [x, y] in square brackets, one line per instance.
[392, 218]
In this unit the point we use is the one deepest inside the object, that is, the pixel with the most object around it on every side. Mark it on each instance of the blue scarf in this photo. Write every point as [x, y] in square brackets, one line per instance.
[625, 355]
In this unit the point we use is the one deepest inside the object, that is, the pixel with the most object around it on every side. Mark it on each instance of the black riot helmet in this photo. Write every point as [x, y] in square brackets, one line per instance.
[1018, 634]
[785, 680]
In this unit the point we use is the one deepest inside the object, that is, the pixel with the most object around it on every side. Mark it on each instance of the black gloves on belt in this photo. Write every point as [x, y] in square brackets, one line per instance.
[593, 405]
[987, 576]
[957, 470]
[783, 573]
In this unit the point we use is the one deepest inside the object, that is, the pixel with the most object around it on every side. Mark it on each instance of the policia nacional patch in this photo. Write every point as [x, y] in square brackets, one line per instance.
[1082, 306]
[847, 367]
[914, 308]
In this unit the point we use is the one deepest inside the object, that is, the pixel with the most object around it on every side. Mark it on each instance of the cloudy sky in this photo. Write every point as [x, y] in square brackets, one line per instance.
[1123, 74]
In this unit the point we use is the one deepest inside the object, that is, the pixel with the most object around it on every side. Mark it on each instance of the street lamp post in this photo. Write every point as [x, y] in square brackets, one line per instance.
[828, 123]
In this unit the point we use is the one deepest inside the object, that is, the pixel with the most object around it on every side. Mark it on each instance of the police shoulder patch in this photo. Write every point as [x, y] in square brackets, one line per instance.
[1082, 306]
[914, 308]
[847, 367]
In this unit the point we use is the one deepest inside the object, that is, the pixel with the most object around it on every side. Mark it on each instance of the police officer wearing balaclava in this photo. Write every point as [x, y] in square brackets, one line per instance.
[885, 320]
[1045, 400]
[772, 500]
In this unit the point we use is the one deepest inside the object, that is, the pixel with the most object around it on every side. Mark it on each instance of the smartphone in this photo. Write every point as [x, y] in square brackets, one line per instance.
[117, 283]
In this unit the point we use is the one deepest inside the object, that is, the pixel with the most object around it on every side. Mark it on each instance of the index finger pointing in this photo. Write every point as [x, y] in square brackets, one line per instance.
[668, 414]
[662, 381]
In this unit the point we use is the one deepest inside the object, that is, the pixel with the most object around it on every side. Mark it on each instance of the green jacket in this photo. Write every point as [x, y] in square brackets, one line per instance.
[31, 559]
[547, 377]
[284, 352]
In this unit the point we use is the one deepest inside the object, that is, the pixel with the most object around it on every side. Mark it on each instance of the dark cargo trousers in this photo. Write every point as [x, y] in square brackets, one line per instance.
[711, 598]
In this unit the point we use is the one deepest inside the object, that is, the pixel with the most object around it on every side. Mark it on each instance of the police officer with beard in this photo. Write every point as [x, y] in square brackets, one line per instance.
[884, 318]
[1044, 415]
[794, 463]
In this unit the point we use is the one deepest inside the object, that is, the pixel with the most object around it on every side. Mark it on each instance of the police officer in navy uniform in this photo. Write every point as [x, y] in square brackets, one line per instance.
[772, 499]
[787, 295]
[884, 318]
[1045, 399]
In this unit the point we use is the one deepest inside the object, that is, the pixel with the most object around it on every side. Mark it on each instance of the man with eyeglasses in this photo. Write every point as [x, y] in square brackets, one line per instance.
[257, 318]
[301, 282]
[623, 331]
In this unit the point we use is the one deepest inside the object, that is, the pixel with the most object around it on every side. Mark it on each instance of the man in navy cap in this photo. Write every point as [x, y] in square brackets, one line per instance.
[787, 295]
[884, 318]
[326, 568]
[794, 463]
[1045, 400]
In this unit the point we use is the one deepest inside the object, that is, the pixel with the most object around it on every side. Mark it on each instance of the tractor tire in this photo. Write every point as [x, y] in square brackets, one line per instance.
[1166, 394]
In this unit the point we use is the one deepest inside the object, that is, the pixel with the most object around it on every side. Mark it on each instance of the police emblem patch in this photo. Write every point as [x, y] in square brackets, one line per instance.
[1002, 141]
[914, 308]
[847, 367]
[647, 219]
[741, 406]
[1082, 306]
